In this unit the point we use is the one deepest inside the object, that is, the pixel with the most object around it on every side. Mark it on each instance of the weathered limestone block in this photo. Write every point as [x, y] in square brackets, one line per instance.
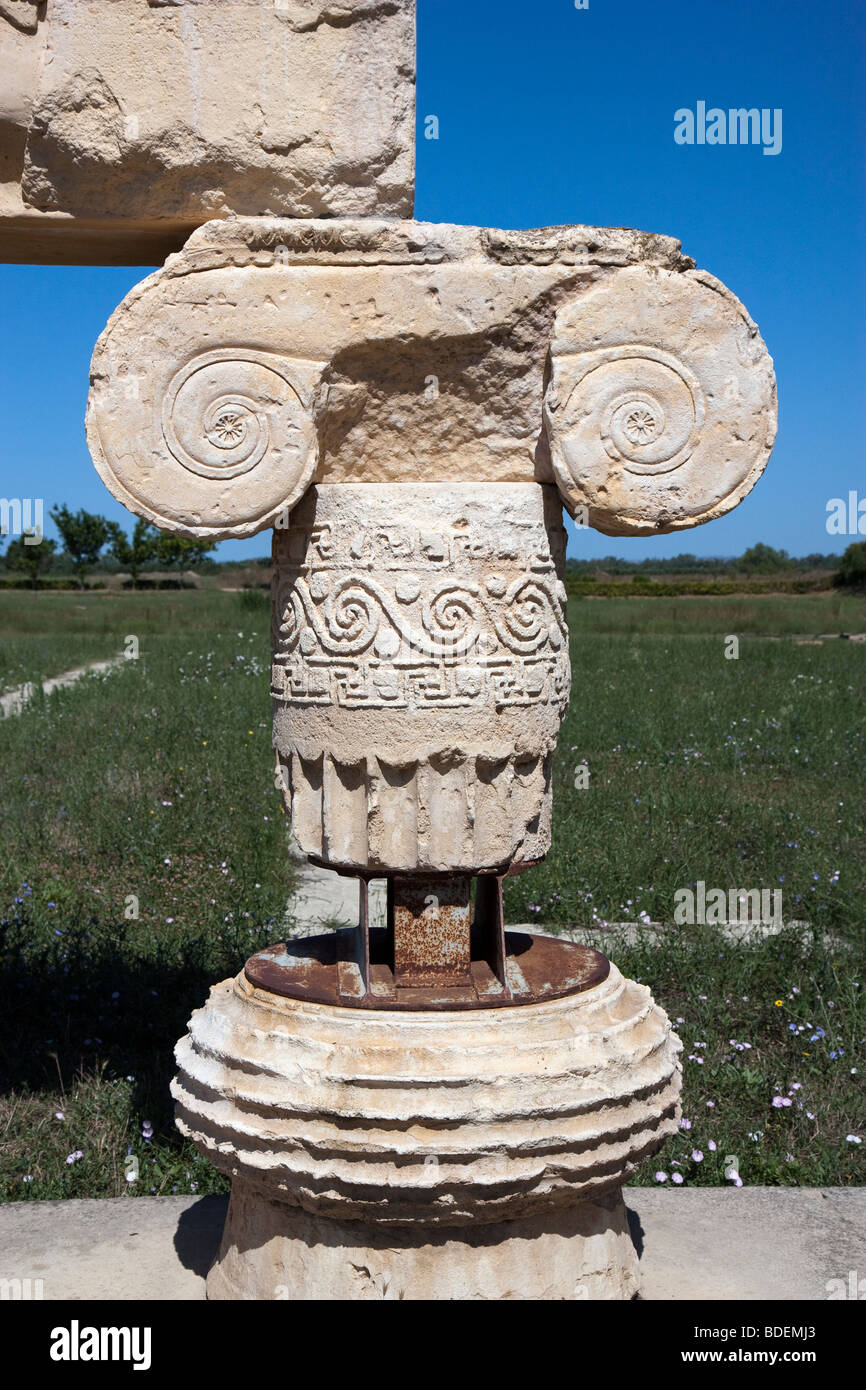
[428, 1139]
[420, 672]
[124, 124]
[270, 353]
[271, 1250]
[488, 1114]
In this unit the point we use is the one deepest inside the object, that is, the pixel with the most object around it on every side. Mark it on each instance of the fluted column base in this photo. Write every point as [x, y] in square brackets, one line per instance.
[271, 1250]
[413, 1154]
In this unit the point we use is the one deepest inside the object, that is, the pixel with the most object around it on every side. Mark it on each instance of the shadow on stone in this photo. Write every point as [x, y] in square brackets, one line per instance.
[198, 1234]
[635, 1230]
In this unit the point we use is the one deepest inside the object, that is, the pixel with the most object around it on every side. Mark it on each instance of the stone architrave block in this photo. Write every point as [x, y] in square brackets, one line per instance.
[125, 124]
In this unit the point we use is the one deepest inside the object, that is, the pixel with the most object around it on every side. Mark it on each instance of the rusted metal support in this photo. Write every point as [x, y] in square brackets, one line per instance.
[437, 951]
[431, 927]
[362, 935]
[324, 970]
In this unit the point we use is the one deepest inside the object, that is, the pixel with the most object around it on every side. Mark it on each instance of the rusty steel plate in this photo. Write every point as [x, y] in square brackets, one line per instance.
[430, 918]
[328, 969]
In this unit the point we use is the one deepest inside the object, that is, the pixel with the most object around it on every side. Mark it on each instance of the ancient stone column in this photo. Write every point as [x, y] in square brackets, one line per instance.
[396, 1153]
[438, 1108]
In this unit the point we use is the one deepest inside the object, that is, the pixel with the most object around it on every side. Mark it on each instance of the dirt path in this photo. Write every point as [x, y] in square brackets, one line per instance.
[16, 701]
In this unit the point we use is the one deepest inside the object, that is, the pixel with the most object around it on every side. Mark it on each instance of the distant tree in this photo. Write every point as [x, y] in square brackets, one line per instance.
[181, 552]
[132, 555]
[852, 566]
[763, 559]
[83, 534]
[32, 560]
[816, 561]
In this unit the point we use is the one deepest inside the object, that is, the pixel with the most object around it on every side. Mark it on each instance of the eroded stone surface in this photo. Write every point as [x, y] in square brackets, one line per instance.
[662, 404]
[274, 1250]
[403, 352]
[444, 1119]
[420, 672]
[125, 124]
[411, 352]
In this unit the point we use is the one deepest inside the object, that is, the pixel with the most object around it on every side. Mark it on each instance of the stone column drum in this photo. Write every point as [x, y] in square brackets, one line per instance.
[420, 672]
[440, 1108]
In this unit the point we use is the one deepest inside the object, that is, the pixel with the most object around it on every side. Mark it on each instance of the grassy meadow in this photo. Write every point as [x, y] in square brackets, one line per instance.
[143, 860]
[45, 631]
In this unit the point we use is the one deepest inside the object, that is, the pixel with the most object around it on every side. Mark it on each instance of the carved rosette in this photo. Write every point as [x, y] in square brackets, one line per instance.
[220, 447]
[420, 672]
[661, 408]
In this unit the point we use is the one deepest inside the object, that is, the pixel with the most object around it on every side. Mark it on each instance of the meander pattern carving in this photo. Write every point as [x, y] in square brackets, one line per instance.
[410, 617]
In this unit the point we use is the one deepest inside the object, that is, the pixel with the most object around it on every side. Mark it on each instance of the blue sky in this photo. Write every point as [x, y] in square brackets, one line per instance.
[550, 114]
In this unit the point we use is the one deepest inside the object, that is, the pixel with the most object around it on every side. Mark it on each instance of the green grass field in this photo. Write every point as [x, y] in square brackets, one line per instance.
[763, 615]
[150, 790]
[45, 632]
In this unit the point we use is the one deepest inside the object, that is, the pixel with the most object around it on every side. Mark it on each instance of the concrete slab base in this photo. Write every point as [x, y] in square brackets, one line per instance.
[696, 1243]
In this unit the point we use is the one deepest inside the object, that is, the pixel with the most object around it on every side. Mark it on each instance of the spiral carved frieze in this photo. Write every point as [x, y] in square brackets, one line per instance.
[420, 671]
[648, 407]
[224, 410]
[363, 615]
[418, 614]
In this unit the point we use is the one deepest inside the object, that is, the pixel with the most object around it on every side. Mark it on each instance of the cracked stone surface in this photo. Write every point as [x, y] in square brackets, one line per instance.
[449, 1155]
[271, 1250]
[124, 125]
